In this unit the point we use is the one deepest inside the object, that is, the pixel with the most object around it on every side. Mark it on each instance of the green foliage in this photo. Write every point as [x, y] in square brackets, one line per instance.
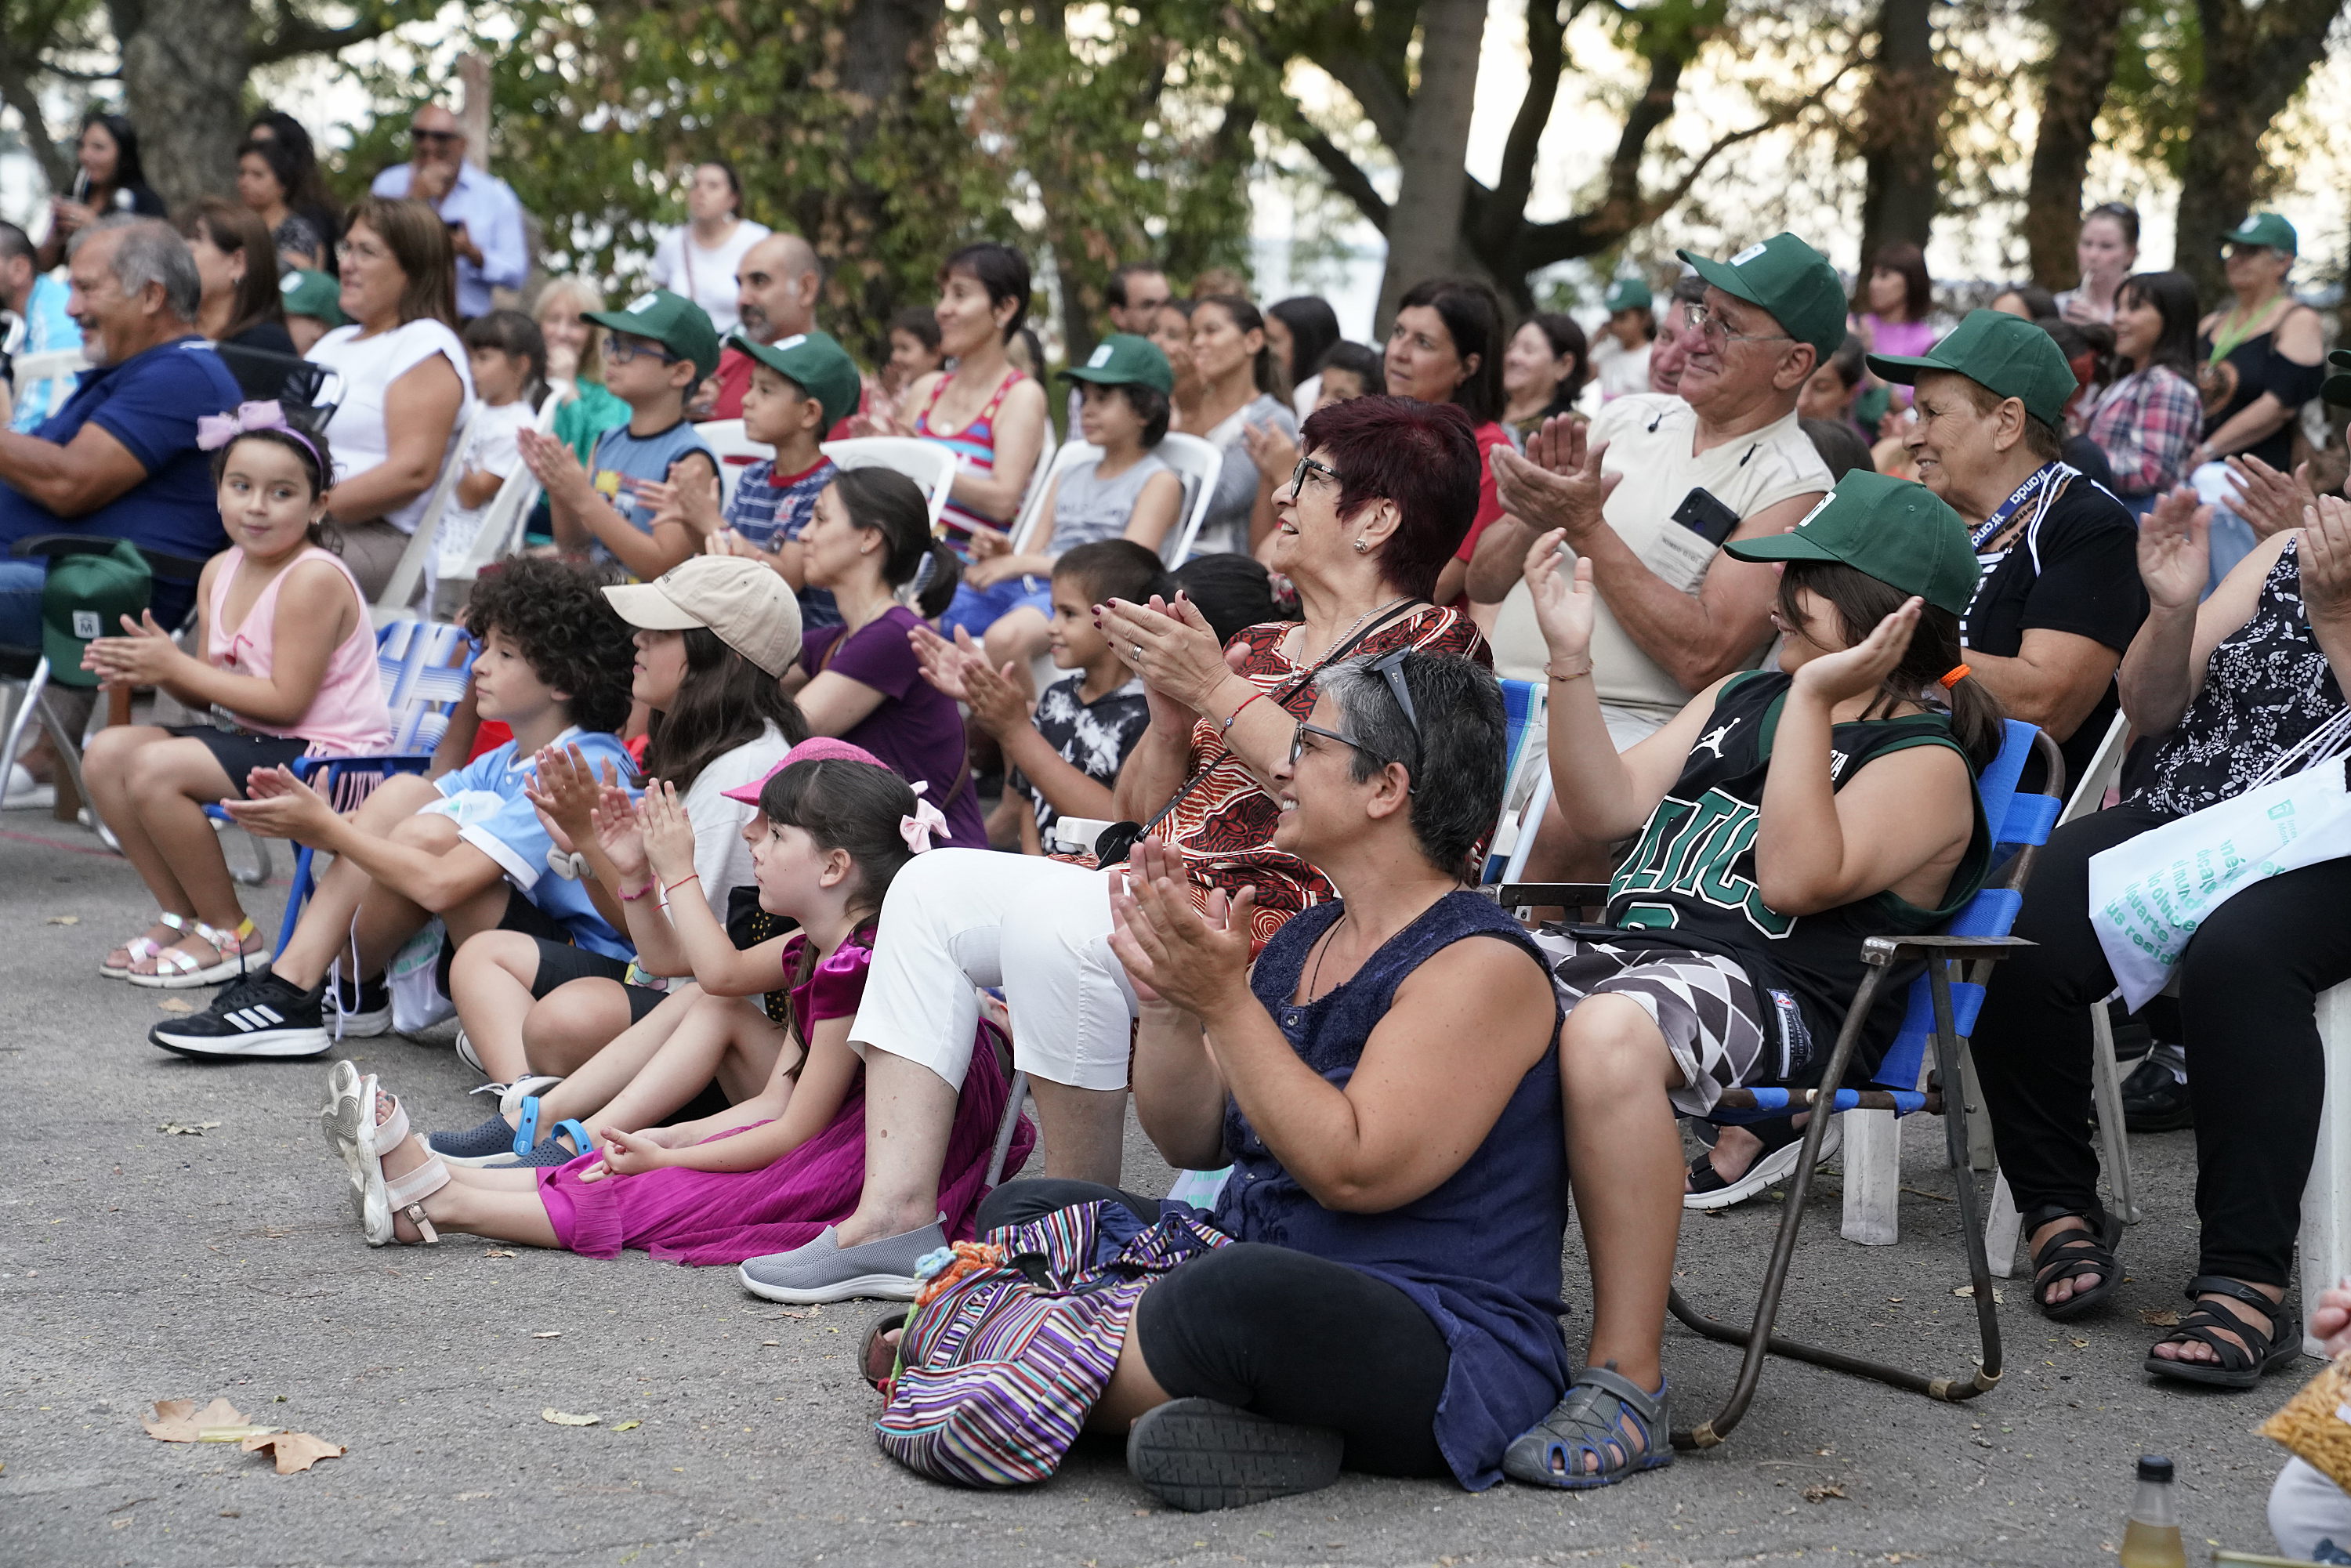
[2151, 108]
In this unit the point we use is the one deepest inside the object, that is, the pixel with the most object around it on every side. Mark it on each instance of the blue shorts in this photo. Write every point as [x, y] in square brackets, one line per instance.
[977, 609]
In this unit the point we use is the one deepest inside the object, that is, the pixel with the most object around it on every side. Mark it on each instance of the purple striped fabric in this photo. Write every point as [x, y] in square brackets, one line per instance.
[1001, 1369]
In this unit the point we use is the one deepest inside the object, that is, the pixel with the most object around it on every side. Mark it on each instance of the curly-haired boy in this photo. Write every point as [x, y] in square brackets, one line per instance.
[554, 663]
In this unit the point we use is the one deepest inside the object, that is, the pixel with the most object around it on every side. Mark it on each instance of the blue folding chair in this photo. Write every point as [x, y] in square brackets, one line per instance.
[1524, 780]
[422, 667]
[1941, 1009]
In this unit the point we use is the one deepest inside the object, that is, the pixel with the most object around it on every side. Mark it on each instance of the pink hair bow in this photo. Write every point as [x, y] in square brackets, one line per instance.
[917, 828]
[215, 430]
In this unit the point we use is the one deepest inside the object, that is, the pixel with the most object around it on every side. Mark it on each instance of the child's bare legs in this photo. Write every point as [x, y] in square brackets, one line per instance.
[508, 1211]
[151, 788]
[571, 1024]
[729, 1038]
[324, 932]
[594, 1083]
[1625, 1165]
[490, 980]
[1018, 636]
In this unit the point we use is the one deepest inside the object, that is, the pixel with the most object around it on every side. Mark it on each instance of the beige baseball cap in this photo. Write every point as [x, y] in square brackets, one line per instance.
[750, 608]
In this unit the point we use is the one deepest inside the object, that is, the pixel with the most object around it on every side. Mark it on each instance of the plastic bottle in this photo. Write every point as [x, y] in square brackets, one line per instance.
[2152, 1534]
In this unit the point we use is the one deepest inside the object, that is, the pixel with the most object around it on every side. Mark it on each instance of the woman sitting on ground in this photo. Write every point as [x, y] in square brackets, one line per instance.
[2229, 689]
[1364, 522]
[1788, 815]
[1384, 1087]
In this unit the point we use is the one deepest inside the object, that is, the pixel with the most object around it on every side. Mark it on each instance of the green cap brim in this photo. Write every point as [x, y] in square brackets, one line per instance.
[1905, 367]
[1790, 546]
[64, 653]
[2335, 390]
[1722, 275]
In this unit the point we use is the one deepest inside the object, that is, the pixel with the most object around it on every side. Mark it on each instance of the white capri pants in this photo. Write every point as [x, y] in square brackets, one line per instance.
[956, 919]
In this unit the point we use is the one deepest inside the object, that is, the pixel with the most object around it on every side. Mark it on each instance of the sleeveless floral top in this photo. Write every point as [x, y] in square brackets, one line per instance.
[2266, 687]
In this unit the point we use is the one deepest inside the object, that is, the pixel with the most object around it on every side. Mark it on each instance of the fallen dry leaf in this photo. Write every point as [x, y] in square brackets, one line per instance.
[2158, 1317]
[497, 1252]
[179, 1420]
[565, 1418]
[236, 1433]
[188, 1129]
[548, 1333]
[294, 1450]
[64, 920]
[1970, 1290]
[176, 1005]
[627, 1426]
[2079, 1344]
[1822, 1493]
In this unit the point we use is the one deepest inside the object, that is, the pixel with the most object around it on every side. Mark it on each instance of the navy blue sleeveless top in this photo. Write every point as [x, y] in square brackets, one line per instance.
[1480, 1254]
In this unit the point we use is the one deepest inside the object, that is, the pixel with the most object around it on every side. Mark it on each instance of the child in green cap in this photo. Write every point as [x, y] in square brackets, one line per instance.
[313, 307]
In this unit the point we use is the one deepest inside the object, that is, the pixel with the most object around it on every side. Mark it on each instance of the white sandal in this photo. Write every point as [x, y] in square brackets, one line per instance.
[143, 946]
[351, 1130]
[179, 970]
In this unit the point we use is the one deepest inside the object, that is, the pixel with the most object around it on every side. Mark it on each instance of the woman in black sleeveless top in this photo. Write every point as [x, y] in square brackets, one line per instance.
[1783, 816]
[2259, 358]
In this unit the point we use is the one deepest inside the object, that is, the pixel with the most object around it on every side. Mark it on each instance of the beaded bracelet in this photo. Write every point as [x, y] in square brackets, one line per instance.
[632, 896]
[1237, 713]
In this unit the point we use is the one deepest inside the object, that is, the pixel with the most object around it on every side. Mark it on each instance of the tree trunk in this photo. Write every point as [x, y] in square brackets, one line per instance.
[884, 45]
[184, 68]
[1902, 129]
[2081, 67]
[1434, 182]
[2256, 59]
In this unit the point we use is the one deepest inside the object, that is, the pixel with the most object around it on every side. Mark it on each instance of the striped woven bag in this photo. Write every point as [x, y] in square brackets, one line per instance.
[999, 1366]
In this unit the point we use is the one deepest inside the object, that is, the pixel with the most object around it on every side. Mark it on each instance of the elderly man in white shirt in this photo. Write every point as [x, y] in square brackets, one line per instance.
[484, 218]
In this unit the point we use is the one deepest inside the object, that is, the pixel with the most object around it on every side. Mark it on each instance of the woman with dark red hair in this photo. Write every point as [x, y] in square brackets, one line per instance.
[1362, 524]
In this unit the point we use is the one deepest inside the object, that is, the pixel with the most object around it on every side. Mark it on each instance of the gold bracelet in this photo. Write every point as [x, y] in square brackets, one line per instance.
[1563, 680]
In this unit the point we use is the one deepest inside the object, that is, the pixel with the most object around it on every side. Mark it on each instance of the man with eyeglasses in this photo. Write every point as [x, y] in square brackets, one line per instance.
[483, 217]
[1655, 485]
[1137, 291]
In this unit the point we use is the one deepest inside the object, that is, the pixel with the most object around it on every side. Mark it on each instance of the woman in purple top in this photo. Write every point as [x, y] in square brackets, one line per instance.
[870, 543]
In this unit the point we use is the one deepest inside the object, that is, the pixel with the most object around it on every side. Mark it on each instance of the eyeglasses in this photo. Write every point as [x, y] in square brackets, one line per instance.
[346, 251]
[1308, 466]
[1390, 668]
[416, 133]
[1297, 739]
[621, 351]
[1705, 323]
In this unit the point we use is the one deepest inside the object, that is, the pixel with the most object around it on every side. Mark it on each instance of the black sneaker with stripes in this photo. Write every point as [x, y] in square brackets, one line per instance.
[258, 1015]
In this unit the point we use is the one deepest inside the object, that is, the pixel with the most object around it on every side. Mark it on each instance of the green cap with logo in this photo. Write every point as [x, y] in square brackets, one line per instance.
[85, 598]
[2269, 229]
[818, 365]
[2006, 355]
[1789, 278]
[672, 320]
[1626, 294]
[1125, 360]
[314, 294]
[1896, 531]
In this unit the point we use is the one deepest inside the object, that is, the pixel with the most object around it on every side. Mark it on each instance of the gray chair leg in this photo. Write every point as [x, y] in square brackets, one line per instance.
[260, 871]
[20, 715]
[1015, 1096]
[2106, 1082]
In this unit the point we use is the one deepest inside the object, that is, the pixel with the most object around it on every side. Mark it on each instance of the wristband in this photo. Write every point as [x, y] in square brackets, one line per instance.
[681, 882]
[629, 896]
[1227, 727]
[1563, 680]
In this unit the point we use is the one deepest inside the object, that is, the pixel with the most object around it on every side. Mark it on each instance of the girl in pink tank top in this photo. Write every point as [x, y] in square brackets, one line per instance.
[289, 671]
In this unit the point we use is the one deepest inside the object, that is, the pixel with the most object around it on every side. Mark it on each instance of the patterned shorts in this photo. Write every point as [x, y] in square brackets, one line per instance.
[1704, 1003]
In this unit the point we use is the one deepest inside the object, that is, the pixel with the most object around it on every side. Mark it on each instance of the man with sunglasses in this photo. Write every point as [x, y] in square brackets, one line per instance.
[1653, 488]
[483, 217]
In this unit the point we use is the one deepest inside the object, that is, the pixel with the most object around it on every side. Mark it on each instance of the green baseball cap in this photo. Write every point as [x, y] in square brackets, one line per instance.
[85, 598]
[2337, 389]
[1896, 531]
[1626, 294]
[315, 294]
[1125, 360]
[672, 320]
[1789, 278]
[2004, 354]
[2265, 228]
[817, 365]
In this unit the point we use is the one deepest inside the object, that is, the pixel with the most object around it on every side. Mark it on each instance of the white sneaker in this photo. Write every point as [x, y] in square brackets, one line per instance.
[24, 791]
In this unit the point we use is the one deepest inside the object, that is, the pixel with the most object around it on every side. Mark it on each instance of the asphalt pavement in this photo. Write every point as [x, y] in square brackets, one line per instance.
[170, 1230]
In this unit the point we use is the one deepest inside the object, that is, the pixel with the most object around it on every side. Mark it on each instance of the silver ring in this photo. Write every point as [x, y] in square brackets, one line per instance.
[1138, 650]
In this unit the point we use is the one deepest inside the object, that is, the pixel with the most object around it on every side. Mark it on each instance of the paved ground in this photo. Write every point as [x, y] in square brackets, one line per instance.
[137, 1264]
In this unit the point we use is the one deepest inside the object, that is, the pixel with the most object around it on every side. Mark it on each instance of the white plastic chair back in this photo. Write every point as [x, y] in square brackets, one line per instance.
[736, 453]
[1032, 511]
[926, 463]
[507, 517]
[400, 592]
[1199, 462]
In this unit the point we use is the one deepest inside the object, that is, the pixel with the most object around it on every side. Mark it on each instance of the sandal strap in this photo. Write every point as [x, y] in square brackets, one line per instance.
[393, 1131]
[526, 1126]
[1585, 1423]
[2236, 1290]
[175, 961]
[1703, 1176]
[417, 1185]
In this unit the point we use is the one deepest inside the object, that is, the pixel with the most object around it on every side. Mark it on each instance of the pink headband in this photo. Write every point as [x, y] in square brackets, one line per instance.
[215, 430]
[819, 748]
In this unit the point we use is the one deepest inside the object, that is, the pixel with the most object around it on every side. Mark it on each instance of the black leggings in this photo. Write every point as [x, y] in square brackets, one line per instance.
[1261, 1328]
[2248, 988]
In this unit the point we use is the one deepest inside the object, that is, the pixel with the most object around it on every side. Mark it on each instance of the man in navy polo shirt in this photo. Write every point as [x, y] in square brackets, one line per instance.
[120, 459]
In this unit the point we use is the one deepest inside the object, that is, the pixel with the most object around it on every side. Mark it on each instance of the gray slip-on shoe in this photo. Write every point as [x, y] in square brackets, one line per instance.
[825, 1270]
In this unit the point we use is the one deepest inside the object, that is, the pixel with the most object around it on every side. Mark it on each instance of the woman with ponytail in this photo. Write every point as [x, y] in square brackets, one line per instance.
[1779, 820]
[871, 544]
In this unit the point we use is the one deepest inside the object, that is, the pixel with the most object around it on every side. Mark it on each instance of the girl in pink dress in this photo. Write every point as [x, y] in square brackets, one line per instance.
[767, 1174]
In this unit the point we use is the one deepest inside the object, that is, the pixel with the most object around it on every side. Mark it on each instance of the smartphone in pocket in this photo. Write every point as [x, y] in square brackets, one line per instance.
[1706, 515]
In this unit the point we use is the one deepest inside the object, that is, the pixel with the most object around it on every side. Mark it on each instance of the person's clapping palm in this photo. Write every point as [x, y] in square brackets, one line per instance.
[2175, 558]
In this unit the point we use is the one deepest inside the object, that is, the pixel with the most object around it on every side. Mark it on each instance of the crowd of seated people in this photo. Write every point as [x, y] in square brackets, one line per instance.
[706, 871]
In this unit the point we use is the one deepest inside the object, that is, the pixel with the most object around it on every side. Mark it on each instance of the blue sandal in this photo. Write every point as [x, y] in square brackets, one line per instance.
[1585, 1427]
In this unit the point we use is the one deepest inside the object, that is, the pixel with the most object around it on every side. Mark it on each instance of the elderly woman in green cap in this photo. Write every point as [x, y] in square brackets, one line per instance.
[2060, 597]
[2258, 364]
[1781, 818]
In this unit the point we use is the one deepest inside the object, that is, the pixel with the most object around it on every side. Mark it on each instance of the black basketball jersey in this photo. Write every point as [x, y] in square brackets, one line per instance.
[1690, 882]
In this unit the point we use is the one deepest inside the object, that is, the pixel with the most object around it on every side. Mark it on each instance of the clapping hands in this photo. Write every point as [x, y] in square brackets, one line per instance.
[960, 670]
[668, 834]
[1194, 958]
[2175, 557]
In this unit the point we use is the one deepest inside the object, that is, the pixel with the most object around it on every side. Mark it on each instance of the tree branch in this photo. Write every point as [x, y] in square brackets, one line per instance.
[1503, 207]
[1384, 103]
[296, 36]
[1349, 180]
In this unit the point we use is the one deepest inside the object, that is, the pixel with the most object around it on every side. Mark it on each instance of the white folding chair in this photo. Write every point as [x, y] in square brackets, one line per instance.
[1032, 511]
[400, 590]
[736, 453]
[926, 463]
[507, 517]
[1199, 462]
